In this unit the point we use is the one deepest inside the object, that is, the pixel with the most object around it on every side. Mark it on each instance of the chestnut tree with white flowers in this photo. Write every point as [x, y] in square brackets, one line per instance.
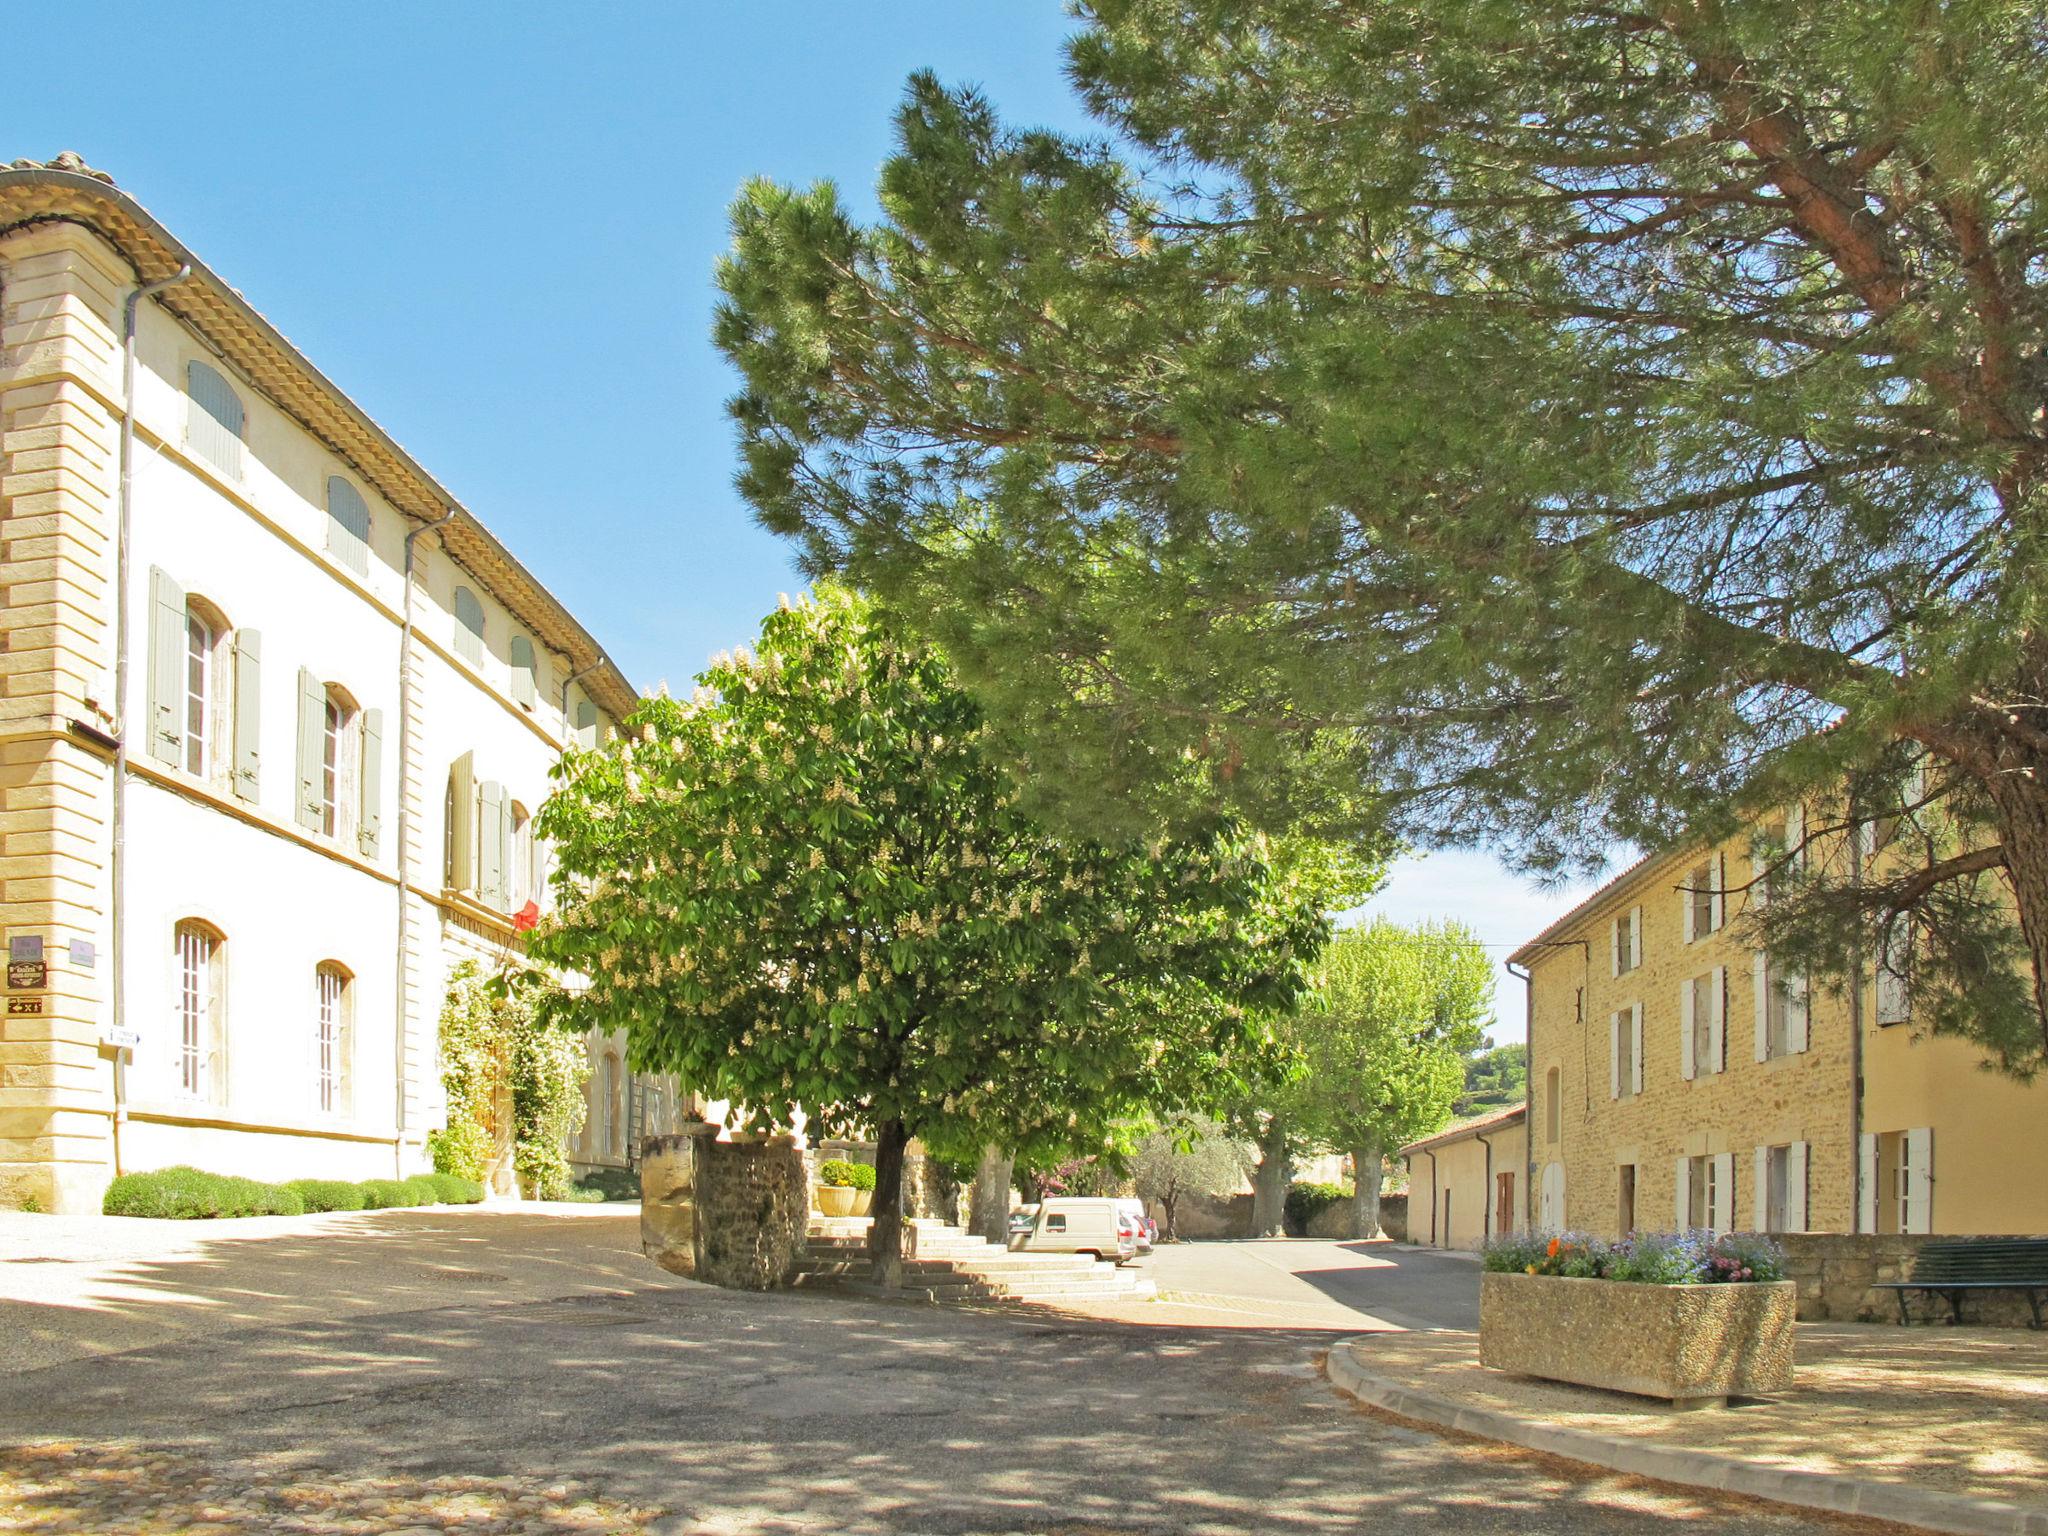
[811, 886]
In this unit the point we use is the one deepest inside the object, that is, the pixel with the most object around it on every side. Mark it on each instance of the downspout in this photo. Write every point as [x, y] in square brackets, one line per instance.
[1528, 981]
[1486, 1194]
[404, 833]
[1855, 1053]
[1430, 1153]
[117, 858]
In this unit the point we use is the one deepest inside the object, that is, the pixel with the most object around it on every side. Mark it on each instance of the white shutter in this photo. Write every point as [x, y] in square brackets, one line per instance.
[1685, 901]
[1759, 875]
[1635, 937]
[1614, 948]
[1723, 1219]
[1614, 1055]
[1715, 918]
[1635, 1024]
[1688, 1068]
[1866, 1182]
[1795, 835]
[1760, 1197]
[1762, 964]
[1795, 1013]
[1919, 1180]
[1795, 1187]
[1681, 1210]
[1717, 1021]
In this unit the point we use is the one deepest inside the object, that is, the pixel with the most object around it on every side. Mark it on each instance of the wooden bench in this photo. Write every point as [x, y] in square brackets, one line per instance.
[1980, 1264]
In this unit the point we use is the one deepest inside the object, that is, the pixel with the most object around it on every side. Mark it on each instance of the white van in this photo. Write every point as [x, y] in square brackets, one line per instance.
[1073, 1224]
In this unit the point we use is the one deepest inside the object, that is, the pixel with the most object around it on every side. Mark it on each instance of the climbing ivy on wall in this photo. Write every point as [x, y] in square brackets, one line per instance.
[492, 1043]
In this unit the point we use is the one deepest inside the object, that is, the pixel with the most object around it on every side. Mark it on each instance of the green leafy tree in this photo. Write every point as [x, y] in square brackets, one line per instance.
[811, 885]
[1495, 1079]
[1541, 424]
[1187, 1154]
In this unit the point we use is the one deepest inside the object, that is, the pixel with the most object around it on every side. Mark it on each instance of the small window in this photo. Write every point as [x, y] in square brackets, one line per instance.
[1553, 1106]
[340, 754]
[1704, 918]
[1625, 1203]
[348, 525]
[214, 419]
[1623, 1028]
[202, 638]
[1056, 1222]
[469, 626]
[331, 1003]
[1705, 1007]
[1894, 971]
[1627, 941]
[197, 1024]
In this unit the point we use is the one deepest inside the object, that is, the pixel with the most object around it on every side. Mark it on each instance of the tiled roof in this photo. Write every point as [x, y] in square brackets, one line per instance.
[67, 190]
[1464, 1130]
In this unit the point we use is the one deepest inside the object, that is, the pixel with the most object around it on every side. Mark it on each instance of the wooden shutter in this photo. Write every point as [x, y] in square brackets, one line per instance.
[522, 671]
[1894, 1005]
[248, 711]
[1685, 909]
[1795, 835]
[586, 724]
[1795, 1187]
[1795, 1013]
[1681, 1210]
[348, 525]
[469, 626]
[1919, 1171]
[505, 864]
[312, 747]
[1718, 914]
[1717, 1021]
[1761, 962]
[1614, 947]
[1866, 1182]
[490, 873]
[1760, 1197]
[462, 823]
[370, 809]
[214, 419]
[1614, 1055]
[166, 669]
[1635, 1024]
[1723, 1217]
[1688, 1068]
[1635, 937]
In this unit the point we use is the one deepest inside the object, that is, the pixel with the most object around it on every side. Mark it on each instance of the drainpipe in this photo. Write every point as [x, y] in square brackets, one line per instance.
[1855, 1053]
[1486, 1194]
[117, 858]
[1528, 981]
[1433, 1240]
[404, 835]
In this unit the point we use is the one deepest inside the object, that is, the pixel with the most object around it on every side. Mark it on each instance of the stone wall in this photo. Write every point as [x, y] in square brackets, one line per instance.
[1334, 1221]
[731, 1213]
[1835, 1273]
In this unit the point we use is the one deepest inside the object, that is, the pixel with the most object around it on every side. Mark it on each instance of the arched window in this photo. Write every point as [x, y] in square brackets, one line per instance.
[469, 626]
[348, 525]
[203, 689]
[214, 419]
[340, 759]
[333, 1032]
[198, 1024]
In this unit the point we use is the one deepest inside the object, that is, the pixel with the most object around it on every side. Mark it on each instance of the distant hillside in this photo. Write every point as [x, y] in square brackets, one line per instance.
[1495, 1079]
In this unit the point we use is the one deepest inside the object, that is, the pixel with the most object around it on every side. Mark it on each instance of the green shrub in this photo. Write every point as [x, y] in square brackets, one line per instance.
[611, 1183]
[188, 1194]
[425, 1191]
[577, 1194]
[451, 1189]
[838, 1173]
[1305, 1202]
[388, 1194]
[327, 1194]
[863, 1176]
[462, 1148]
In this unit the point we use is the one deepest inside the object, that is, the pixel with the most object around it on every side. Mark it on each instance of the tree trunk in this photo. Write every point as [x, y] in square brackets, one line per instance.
[989, 1204]
[885, 1232]
[1365, 1200]
[1269, 1187]
[2019, 801]
[1169, 1202]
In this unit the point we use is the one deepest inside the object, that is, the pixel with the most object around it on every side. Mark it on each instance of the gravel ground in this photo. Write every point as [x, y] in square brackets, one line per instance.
[1962, 1410]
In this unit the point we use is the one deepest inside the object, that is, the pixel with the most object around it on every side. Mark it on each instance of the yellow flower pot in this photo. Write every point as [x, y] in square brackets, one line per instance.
[835, 1200]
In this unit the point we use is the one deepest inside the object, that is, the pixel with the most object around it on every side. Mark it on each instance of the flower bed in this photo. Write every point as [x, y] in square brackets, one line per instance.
[1645, 1258]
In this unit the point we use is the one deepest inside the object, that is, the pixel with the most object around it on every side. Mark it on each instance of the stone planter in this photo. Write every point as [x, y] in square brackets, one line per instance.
[862, 1200]
[1696, 1345]
[836, 1200]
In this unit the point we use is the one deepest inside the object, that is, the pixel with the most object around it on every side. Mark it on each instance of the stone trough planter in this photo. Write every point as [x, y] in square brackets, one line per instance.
[1695, 1345]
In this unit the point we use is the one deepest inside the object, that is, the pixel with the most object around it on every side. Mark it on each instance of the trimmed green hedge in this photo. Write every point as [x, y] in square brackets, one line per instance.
[388, 1194]
[609, 1184]
[453, 1189]
[328, 1194]
[190, 1194]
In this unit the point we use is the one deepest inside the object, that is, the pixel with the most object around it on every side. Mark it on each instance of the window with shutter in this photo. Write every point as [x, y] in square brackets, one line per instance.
[248, 713]
[348, 525]
[214, 419]
[469, 626]
[586, 724]
[490, 841]
[370, 804]
[459, 824]
[1894, 957]
[166, 668]
[1689, 1051]
[313, 737]
[522, 671]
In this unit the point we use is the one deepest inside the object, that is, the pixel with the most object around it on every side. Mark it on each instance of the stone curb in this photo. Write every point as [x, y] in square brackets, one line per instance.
[1951, 1512]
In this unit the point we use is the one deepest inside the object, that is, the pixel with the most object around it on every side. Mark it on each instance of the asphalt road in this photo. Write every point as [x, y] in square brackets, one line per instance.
[711, 1411]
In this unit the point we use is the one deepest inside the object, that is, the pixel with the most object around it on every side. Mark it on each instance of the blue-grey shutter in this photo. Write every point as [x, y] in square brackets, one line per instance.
[214, 421]
[522, 671]
[586, 724]
[469, 626]
[312, 747]
[348, 525]
[248, 711]
[370, 814]
[166, 668]
[490, 842]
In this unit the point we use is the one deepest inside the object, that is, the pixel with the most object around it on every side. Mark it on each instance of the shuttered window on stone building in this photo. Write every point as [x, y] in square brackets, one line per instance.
[348, 525]
[214, 419]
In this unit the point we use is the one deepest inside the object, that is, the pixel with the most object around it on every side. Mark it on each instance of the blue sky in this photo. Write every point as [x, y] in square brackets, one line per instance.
[495, 228]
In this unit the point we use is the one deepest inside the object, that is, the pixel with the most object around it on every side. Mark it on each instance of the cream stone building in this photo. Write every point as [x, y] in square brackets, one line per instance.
[278, 712]
[1465, 1184]
[1679, 1079]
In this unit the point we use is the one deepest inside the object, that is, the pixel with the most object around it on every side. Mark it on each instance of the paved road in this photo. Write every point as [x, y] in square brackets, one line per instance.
[1307, 1283]
[696, 1410]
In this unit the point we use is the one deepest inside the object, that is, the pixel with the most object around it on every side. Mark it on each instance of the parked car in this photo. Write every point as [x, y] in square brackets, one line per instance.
[1077, 1224]
[1144, 1230]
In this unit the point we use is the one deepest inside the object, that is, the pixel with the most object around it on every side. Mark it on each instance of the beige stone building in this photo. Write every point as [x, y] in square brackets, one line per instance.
[277, 713]
[1465, 1184]
[1679, 1079]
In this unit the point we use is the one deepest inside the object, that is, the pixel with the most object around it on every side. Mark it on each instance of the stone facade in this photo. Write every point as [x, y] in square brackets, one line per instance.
[1836, 1273]
[730, 1213]
[1688, 1343]
[1333, 1222]
[1669, 1089]
[1469, 1180]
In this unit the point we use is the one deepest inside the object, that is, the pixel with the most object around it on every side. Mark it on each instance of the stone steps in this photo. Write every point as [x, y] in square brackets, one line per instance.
[951, 1265]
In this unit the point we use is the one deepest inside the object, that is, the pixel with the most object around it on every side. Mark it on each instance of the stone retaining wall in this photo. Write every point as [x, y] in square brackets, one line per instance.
[731, 1213]
[1835, 1273]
